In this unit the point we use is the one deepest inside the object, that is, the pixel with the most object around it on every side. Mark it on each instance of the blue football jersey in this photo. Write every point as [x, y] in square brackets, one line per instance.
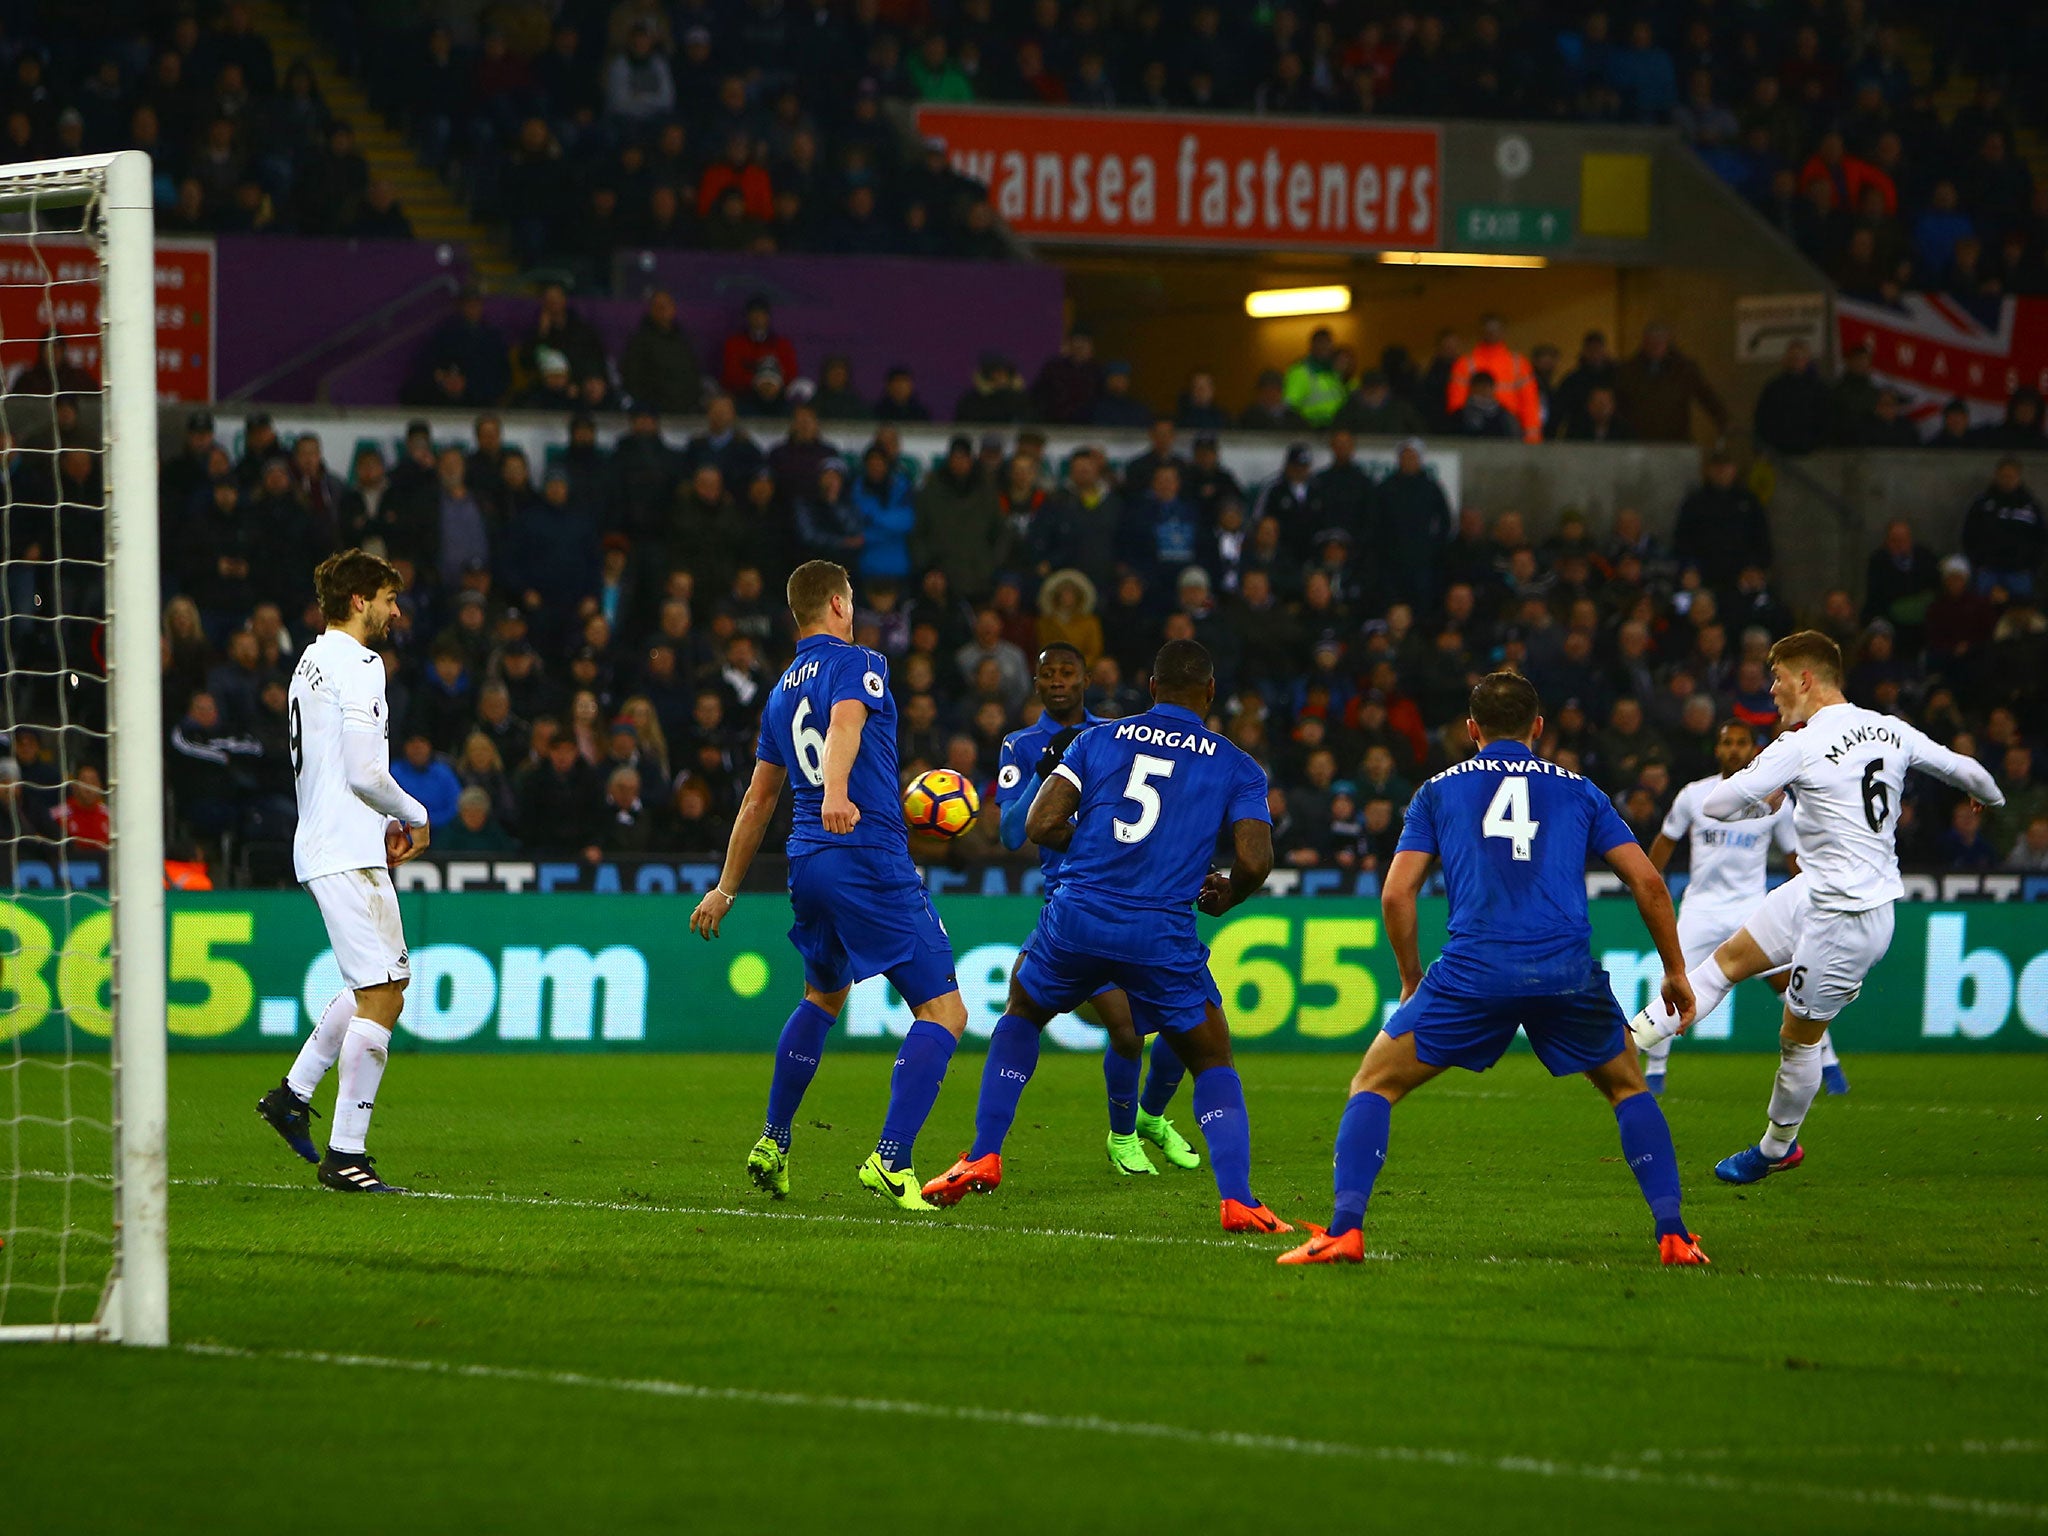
[1514, 834]
[1156, 791]
[793, 726]
[1017, 779]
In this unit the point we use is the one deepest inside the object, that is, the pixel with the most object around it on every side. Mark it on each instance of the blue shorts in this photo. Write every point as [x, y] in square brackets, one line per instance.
[1570, 1031]
[1163, 996]
[863, 912]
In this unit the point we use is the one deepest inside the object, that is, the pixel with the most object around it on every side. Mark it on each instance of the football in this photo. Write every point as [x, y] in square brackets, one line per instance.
[941, 803]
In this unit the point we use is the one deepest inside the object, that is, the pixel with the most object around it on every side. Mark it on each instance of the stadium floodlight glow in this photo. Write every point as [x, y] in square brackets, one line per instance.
[1271, 303]
[1460, 259]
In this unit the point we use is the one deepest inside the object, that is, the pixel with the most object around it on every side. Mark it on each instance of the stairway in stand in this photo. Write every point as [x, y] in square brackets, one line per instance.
[437, 213]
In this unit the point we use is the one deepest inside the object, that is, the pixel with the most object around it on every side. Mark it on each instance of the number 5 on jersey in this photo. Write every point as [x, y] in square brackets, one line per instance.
[1143, 767]
[1508, 816]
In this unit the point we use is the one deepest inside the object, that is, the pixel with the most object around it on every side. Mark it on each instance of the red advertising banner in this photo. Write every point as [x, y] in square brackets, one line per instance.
[1162, 179]
[1933, 350]
[53, 288]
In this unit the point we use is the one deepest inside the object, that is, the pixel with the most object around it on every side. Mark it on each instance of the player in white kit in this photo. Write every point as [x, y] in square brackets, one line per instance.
[1844, 772]
[1727, 860]
[354, 823]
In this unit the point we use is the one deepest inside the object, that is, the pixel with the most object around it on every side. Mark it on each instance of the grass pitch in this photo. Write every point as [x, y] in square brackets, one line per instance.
[597, 1325]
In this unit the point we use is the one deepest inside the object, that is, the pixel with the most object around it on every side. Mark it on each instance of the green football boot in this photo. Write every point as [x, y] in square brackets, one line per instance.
[1159, 1130]
[768, 1167]
[900, 1188]
[1127, 1156]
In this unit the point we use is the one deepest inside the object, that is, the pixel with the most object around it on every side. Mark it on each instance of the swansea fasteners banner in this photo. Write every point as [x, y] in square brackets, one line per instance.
[1147, 178]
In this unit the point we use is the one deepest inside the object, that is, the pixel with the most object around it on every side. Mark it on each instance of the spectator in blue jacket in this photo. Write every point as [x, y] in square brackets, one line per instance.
[888, 513]
[827, 520]
[1643, 76]
[551, 558]
[428, 779]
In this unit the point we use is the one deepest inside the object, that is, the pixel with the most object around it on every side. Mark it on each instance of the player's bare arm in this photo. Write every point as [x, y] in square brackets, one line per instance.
[842, 745]
[1398, 895]
[1251, 862]
[1661, 849]
[1050, 823]
[757, 808]
[1645, 882]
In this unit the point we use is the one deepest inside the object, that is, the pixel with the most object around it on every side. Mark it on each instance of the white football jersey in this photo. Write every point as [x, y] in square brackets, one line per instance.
[1844, 772]
[1728, 857]
[337, 687]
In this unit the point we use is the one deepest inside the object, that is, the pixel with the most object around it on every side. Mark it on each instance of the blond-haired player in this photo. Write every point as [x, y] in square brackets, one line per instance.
[1844, 771]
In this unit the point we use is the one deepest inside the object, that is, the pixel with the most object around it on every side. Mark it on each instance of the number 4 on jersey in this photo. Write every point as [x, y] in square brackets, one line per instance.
[1508, 816]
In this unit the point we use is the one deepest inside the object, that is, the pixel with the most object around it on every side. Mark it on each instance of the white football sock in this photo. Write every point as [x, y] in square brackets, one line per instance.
[1791, 1097]
[1828, 1058]
[362, 1068]
[1655, 1056]
[322, 1046]
[1709, 986]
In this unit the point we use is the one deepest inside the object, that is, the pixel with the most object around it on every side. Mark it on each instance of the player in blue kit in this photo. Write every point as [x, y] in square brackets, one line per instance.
[1028, 756]
[1137, 807]
[1514, 834]
[861, 910]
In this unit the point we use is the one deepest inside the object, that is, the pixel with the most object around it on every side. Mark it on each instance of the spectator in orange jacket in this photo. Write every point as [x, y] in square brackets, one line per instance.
[1514, 384]
[745, 348]
[1831, 161]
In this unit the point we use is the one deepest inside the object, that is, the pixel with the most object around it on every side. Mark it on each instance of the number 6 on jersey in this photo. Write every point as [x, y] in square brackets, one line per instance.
[1508, 816]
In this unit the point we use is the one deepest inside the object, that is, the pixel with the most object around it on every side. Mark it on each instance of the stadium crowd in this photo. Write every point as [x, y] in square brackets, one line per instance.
[764, 124]
[586, 642]
[1478, 386]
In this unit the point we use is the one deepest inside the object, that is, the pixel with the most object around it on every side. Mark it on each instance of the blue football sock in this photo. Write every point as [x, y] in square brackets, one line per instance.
[1120, 1076]
[1012, 1058]
[1162, 1076]
[1219, 1107]
[913, 1090]
[1646, 1143]
[1361, 1153]
[796, 1063]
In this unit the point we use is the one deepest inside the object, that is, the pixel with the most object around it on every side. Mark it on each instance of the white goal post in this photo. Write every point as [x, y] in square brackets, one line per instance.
[105, 203]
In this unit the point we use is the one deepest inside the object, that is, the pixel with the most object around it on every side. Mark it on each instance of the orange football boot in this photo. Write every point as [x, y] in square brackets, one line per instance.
[978, 1175]
[1325, 1249]
[1238, 1217]
[1673, 1249]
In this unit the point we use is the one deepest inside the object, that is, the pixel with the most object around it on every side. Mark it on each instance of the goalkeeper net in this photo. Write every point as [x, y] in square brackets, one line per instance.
[82, 1179]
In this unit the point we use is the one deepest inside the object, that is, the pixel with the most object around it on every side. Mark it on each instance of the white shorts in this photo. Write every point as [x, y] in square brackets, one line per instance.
[1830, 952]
[1702, 929]
[361, 912]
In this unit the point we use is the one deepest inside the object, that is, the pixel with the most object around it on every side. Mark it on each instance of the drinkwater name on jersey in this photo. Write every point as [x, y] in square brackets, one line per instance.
[1483, 763]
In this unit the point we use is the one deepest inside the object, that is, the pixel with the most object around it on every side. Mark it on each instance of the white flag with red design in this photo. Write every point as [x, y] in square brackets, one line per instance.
[1933, 350]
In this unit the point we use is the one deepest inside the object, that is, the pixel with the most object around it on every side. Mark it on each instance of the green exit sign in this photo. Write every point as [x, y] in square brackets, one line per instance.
[1489, 224]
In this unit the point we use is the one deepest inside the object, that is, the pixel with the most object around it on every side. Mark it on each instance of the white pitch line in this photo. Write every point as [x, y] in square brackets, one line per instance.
[1223, 1439]
[1082, 1234]
[748, 1213]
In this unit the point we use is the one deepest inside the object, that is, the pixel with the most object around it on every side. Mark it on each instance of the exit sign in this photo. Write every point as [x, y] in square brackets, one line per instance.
[1490, 224]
